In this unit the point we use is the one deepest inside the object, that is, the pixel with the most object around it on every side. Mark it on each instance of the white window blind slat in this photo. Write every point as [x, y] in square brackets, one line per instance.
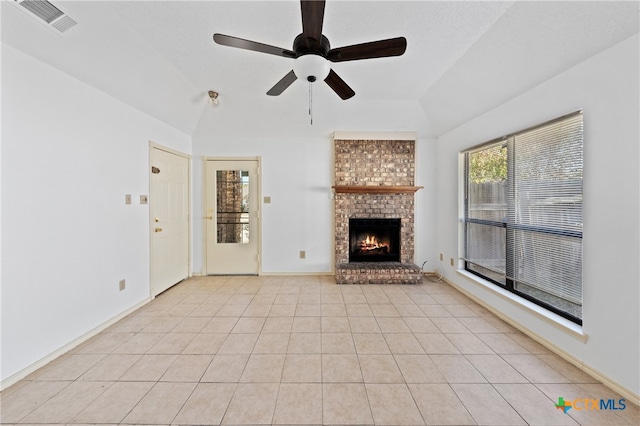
[523, 213]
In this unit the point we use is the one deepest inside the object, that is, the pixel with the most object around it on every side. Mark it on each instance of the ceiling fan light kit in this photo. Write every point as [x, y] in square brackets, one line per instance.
[312, 52]
[311, 68]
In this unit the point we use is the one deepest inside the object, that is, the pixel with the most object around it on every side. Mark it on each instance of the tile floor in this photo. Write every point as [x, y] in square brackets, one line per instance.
[303, 350]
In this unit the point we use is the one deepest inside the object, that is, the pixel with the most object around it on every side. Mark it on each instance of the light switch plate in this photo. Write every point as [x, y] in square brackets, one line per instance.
[144, 199]
[127, 198]
[267, 200]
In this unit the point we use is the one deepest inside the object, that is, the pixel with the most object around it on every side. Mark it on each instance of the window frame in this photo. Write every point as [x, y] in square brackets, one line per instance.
[509, 283]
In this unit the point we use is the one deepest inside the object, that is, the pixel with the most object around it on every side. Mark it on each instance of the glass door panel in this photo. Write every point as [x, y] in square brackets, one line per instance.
[233, 204]
[232, 214]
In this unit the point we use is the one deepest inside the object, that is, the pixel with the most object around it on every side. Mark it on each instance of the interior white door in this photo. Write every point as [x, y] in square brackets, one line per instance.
[169, 219]
[231, 216]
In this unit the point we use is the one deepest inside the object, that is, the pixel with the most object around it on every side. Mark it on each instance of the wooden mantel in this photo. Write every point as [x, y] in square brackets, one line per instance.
[371, 189]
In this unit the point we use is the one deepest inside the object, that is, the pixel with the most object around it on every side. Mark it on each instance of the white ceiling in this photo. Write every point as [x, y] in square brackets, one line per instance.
[462, 59]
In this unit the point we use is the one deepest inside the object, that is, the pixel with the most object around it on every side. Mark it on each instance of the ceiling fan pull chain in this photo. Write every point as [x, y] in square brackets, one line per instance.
[311, 103]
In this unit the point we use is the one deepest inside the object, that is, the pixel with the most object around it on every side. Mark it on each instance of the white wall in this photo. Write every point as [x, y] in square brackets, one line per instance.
[297, 176]
[70, 153]
[425, 207]
[297, 171]
[606, 87]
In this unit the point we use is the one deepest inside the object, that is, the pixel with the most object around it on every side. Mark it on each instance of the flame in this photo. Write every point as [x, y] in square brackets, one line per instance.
[370, 243]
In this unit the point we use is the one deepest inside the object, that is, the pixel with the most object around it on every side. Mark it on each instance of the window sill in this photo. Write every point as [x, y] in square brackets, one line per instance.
[557, 321]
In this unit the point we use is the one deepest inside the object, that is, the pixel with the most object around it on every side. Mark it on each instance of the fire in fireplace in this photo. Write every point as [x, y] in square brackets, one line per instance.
[374, 240]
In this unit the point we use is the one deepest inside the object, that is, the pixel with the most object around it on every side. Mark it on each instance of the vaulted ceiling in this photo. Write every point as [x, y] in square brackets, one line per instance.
[463, 57]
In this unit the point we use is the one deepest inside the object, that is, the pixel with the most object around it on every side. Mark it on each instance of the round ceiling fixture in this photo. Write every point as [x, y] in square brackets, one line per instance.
[213, 98]
[311, 68]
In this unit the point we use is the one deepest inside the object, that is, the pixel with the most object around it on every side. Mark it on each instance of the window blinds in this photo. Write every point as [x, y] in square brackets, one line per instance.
[486, 211]
[524, 228]
[546, 215]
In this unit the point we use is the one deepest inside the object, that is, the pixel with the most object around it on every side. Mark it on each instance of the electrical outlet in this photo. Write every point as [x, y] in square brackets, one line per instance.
[441, 256]
[122, 285]
[127, 198]
[303, 254]
[452, 262]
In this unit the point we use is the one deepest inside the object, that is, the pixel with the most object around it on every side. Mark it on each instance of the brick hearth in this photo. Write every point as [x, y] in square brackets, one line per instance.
[375, 164]
[378, 273]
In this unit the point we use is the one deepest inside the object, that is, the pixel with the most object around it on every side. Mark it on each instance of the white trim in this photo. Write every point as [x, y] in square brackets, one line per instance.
[289, 274]
[332, 197]
[606, 380]
[374, 136]
[563, 324]
[258, 159]
[202, 214]
[612, 384]
[260, 199]
[15, 378]
[152, 144]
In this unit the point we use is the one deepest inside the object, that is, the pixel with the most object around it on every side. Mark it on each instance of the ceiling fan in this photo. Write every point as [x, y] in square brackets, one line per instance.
[312, 52]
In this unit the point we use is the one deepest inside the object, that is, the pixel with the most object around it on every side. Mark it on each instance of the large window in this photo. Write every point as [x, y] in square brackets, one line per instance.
[523, 214]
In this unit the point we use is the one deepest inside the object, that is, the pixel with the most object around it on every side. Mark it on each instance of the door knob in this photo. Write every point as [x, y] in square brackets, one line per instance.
[158, 230]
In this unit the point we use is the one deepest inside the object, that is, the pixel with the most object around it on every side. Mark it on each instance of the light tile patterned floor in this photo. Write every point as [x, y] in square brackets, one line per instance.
[303, 350]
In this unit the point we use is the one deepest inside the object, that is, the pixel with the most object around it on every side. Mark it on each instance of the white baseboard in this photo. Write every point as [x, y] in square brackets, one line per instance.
[275, 274]
[15, 378]
[290, 274]
[628, 394]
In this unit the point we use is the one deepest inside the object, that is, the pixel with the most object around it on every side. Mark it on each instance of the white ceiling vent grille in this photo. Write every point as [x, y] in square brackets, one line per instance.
[49, 14]
[63, 24]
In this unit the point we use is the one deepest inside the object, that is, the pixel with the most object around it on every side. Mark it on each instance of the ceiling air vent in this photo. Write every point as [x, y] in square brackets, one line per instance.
[47, 13]
[63, 24]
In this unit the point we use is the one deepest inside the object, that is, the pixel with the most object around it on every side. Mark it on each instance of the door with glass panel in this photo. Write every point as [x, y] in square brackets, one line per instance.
[231, 217]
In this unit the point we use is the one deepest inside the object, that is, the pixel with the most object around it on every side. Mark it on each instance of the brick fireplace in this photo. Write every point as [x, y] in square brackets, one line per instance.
[374, 179]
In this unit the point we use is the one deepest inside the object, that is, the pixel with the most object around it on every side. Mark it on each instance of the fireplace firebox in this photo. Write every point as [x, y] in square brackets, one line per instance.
[374, 240]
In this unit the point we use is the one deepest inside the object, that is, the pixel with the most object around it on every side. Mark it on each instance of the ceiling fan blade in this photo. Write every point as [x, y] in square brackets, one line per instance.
[241, 43]
[285, 82]
[312, 17]
[339, 86]
[373, 49]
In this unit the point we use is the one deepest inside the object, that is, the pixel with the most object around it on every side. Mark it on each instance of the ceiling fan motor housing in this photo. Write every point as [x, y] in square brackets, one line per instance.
[303, 45]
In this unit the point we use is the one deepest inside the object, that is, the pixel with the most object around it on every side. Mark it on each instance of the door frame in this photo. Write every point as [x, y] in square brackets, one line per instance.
[153, 145]
[204, 204]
